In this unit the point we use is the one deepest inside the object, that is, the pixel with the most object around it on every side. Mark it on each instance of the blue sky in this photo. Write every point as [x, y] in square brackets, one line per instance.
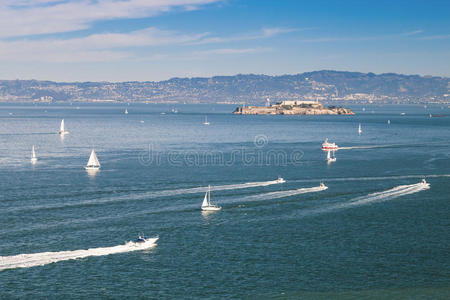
[127, 40]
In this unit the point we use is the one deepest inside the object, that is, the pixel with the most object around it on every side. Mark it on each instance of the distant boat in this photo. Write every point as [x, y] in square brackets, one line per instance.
[402, 114]
[33, 156]
[330, 158]
[61, 128]
[329, 146]
[323, 186]
[359, 129]
[389, 122]
[142, 121]
[163, 113]
[206, 205]
[206, 121]
[126, 111]
[93, 163]
[280, 179]
[174, 110]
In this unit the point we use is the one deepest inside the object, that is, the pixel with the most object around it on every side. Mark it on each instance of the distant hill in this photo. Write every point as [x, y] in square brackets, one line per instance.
[253, 89]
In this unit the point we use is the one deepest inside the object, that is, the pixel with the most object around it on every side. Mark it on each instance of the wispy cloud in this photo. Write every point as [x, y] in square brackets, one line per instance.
[231, 51]
[361, 38]
[96, 47]
[261, 34]
[436, 37]
[34, 17]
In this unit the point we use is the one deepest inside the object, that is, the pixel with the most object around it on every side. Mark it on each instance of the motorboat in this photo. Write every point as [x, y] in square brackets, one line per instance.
[141, 239]
[280, 180]
[326, 146]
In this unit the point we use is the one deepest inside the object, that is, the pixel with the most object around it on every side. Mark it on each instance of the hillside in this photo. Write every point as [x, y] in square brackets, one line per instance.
[252, 89]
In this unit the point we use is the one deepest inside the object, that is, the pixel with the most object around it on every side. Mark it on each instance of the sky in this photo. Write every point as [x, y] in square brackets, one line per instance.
[153, 40]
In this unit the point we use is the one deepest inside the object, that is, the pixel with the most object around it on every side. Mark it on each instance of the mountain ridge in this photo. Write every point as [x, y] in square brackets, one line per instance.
[323, 85]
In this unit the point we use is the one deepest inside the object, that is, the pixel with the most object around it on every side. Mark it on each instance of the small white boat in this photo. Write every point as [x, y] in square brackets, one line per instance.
[389, 122]
[424, 182]
[329, 146]
[206, 121]
[33, 156]
[323, 186]
[359, 129]
[126, 111]
[402, 114]
[206, 205]
[330, 158]
[62, 130]
[280, 179]
[93, 163]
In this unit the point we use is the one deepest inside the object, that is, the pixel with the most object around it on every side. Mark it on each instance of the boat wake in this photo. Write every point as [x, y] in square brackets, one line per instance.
[148, 195]
[44, 258]
[399, 191]
[280, 194]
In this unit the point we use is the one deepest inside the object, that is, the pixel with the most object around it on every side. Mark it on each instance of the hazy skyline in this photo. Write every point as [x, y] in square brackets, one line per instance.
[142, 40]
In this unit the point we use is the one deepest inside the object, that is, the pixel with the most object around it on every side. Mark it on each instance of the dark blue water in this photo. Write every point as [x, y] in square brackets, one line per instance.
[346, 241]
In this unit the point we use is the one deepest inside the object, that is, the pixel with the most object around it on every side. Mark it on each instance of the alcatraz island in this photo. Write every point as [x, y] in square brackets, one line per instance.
[293, 108]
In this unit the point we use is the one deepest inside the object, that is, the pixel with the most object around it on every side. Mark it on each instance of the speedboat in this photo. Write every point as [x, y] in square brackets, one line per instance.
[280, 180]
[141, 239]
[326, 146]
[424, 181]
[322, 185]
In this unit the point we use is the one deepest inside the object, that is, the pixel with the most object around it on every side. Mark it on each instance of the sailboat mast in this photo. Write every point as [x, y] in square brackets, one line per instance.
[209, 195]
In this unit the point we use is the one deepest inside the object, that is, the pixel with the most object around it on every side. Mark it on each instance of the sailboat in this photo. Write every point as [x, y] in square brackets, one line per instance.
[61, 128]
[359, 129]
[33, 156]
[126, 111]
[389, 122]
[329, 158]
[206, 205]
[93, 163]
[206, 121]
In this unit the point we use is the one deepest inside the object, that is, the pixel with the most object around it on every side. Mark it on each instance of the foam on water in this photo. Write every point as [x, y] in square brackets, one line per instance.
[44, 258]
[398, 191]
[146, 195]
[279, 194]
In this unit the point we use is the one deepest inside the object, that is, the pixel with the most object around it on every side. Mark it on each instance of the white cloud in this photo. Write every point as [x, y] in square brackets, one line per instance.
[436, 37]
[32, 17]
[228, 51]
[96, 47]
[262, 34]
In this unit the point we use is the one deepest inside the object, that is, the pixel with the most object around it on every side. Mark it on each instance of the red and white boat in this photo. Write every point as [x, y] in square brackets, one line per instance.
[326, 146]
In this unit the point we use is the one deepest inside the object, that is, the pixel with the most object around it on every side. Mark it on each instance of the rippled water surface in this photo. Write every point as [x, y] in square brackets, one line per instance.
[374, 232]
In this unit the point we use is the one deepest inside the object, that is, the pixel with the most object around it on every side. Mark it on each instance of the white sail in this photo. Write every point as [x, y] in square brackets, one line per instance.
[126, 111]
[33, 155]
[93, 161]
[61, 128]
[205, 200]
[359, 129]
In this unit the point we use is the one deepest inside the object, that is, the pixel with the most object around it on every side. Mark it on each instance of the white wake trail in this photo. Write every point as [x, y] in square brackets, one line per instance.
[147, 195]
[279, 194]
[398, 191]
[44, 258]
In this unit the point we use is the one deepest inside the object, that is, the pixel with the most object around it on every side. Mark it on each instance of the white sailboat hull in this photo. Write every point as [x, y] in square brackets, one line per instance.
[92, 167]
[211, 208]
